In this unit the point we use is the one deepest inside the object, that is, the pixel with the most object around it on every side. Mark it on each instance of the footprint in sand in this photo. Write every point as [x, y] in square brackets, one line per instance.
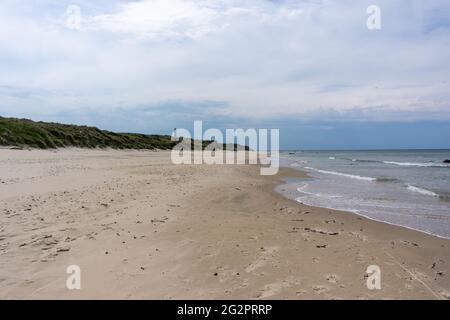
[319, 289]
[267, 255]
[332, 278]
[272, 289]
[359, 236]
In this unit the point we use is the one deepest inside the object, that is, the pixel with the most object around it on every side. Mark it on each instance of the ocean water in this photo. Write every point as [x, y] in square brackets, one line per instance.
[410, 188]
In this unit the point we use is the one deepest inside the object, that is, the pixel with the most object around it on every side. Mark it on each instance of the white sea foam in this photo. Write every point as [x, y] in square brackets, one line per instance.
[352, 176]
[298, 163]
[321, 195]
[302, 190]
[417, 164]
[331, 158]
[422, 191]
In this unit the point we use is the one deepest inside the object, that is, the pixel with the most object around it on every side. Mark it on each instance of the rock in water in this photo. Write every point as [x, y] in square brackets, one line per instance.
[446, 161]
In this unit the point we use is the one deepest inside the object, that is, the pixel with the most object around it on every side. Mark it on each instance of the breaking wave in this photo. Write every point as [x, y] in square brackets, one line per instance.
[417, 164]
[352, 176]
[422, 191]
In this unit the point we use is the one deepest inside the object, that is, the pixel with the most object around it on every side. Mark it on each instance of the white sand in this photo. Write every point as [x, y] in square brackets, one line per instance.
[140, 227]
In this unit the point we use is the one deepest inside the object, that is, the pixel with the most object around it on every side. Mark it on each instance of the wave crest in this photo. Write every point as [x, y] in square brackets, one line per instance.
[422, 191]
[352, 176]
[417, 164]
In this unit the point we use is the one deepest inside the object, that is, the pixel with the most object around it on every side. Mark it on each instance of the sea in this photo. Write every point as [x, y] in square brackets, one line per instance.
[409, 188]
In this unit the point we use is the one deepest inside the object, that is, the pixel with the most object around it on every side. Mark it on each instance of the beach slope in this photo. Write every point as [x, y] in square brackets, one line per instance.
[140, 227]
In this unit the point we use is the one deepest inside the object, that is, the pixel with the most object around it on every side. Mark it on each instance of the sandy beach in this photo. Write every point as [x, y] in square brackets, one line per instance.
[140, 227]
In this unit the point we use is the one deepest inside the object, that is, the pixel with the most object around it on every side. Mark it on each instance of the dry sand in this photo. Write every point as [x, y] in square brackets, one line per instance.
[140, 227]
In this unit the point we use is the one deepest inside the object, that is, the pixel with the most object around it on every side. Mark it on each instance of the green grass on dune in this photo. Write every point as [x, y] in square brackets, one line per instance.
[26, 133]
[44, 135]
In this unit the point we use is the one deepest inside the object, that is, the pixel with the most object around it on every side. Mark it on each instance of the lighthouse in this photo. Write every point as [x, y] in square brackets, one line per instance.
[174, 135]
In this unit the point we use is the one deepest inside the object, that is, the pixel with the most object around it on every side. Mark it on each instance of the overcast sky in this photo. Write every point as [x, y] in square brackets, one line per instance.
[311, 68]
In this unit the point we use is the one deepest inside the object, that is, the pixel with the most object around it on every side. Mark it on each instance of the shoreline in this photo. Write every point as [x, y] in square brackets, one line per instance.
[354, 212]
[142, 228]
[292, 172]
[378, 192]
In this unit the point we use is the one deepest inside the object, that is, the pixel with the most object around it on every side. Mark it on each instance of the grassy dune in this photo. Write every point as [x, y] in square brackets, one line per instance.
[44, 135]
[26, 133]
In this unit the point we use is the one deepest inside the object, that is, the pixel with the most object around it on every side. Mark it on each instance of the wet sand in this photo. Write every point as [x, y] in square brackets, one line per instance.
[140, 227]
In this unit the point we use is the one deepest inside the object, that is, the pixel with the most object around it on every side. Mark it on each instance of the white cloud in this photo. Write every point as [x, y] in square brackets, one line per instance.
[265, 58]
[157, 19]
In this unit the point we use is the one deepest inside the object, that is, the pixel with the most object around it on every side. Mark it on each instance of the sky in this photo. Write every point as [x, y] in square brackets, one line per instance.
[311, 68]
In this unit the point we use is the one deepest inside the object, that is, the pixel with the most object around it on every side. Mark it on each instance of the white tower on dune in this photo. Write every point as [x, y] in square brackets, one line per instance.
[174, 135]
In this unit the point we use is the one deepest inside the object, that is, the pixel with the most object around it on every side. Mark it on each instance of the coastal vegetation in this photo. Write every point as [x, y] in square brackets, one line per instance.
[25, 133]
